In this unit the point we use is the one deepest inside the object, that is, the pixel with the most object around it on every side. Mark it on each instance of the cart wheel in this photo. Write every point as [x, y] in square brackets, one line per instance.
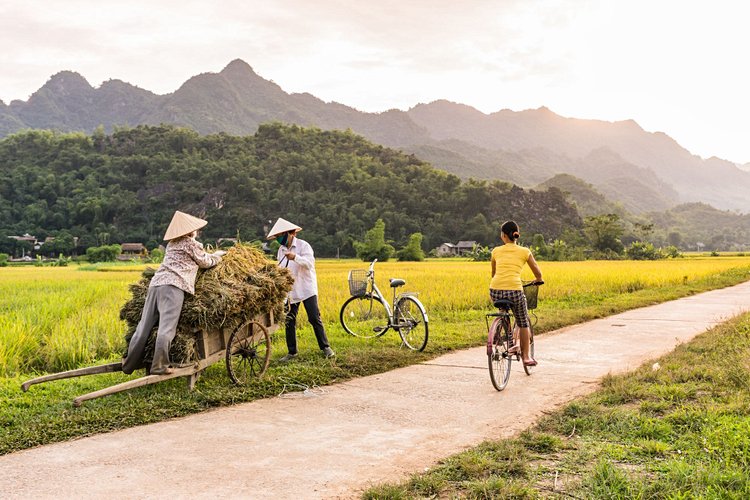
[248, 352]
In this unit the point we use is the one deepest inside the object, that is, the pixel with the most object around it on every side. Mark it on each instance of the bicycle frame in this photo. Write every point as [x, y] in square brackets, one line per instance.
[376, 294]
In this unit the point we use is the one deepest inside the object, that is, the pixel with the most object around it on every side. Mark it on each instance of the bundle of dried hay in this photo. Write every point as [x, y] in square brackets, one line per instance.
[244, 284]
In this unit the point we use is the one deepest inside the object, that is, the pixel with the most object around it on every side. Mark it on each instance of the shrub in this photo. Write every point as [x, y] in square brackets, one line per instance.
[639, 250]
[156, 256]
[3, 259]
[480, 253]
[413, 250]
[107, 253]
[671, 252]
[608, 254]
[374, 246]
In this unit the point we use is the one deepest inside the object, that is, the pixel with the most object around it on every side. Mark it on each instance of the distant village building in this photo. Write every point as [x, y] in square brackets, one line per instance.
[25, 237]
[132, 251]
[29, 239]
[446, 250]
[455, 250]
[465, 247]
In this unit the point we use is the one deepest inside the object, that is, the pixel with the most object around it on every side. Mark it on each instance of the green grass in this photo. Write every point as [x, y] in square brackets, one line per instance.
[679, 431]
[54, 321]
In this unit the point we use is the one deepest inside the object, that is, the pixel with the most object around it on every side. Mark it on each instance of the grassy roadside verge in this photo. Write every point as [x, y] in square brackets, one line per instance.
[679, 429]
[45, 414]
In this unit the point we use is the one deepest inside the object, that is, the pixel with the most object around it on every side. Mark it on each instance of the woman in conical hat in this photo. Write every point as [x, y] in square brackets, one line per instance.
[297, 256]
[166, 293]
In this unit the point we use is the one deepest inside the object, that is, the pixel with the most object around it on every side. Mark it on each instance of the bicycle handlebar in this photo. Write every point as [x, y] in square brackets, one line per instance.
[372, 266]
[535, 282]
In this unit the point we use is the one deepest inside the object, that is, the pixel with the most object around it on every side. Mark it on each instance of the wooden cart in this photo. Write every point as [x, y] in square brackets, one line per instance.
[246, 350]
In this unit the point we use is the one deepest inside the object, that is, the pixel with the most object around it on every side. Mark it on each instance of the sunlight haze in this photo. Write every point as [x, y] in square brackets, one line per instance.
[672, 66]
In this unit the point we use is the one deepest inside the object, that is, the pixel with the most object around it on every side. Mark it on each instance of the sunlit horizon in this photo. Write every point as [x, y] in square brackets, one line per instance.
[670, 66]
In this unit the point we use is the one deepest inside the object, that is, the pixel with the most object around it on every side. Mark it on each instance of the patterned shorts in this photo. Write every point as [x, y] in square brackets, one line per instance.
[520, 311]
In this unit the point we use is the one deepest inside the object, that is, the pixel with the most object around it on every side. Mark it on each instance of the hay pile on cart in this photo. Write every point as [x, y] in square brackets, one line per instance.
[244, 285]
[236, 307]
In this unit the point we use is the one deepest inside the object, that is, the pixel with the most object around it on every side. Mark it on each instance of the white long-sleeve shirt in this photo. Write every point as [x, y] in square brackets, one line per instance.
[302, 269]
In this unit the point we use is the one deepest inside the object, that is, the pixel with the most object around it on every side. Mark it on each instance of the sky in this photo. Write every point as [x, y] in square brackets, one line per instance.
[674, 66]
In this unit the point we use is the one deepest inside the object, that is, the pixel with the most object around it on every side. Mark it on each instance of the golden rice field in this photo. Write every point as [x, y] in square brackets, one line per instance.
[59, 318]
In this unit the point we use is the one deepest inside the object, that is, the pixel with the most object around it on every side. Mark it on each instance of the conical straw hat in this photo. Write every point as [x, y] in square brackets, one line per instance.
[281, 226]
[183, 224]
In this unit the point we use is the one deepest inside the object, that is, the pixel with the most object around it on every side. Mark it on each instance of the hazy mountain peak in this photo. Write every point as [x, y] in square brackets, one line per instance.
[114, 82]
[238, 68]
[446, 106]
[628, 124]
[444, 111]
[121, 88]
[66, 82]
[542, 112]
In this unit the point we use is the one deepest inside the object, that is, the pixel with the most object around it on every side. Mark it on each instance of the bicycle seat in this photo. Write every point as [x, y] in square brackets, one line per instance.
[503, 304]
[395, 282]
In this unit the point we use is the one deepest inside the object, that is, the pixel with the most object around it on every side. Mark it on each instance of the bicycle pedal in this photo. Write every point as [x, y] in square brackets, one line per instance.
[378, 329]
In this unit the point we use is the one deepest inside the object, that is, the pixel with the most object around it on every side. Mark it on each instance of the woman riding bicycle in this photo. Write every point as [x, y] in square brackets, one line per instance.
[507, 262]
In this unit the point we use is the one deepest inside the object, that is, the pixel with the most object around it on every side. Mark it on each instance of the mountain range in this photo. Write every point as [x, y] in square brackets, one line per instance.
[642, 171]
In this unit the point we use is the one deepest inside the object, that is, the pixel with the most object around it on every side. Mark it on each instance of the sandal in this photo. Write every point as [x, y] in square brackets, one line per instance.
[514, 350]
[531, 362]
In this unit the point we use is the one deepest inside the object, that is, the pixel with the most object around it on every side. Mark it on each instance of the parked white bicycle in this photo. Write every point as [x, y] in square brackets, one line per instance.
[367, 314]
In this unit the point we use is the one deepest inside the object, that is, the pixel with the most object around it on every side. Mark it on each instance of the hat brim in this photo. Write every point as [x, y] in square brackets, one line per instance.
[183, 224]
[282, 226]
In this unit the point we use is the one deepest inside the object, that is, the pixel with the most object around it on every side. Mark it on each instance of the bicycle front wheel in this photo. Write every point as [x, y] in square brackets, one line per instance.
[411, 323]
[499, 359]
[364, 317]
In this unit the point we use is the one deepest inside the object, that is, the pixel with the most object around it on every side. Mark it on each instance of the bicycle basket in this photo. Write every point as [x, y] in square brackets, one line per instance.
[532, 293]
[357, 282]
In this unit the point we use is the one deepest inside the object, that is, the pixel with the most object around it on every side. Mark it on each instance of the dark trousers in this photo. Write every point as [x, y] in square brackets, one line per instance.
[313, 316]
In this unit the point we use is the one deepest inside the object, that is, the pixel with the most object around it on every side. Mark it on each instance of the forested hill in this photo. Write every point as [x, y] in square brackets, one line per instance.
[124, 187]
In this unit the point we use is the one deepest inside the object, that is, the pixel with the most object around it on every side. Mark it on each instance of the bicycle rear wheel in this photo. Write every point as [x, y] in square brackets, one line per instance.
[364, 317]
[411, 323]
[498, 359]
[530, 369]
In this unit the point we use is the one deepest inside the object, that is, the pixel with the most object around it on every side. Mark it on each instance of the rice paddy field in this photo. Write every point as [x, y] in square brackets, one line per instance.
[58, 318]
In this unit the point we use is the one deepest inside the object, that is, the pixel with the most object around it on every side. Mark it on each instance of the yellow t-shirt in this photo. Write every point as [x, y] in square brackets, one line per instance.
[509, 259]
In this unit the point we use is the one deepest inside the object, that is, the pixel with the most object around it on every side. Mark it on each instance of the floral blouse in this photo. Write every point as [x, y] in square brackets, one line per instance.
[182, 259]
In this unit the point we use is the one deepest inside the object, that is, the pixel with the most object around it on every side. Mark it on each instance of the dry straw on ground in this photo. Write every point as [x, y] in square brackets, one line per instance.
[244, 284]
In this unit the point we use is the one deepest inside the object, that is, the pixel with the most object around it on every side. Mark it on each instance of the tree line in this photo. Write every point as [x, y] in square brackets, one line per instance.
[102, 189]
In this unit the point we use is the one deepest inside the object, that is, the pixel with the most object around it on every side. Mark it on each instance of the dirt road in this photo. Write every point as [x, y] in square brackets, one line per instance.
[335, 441]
